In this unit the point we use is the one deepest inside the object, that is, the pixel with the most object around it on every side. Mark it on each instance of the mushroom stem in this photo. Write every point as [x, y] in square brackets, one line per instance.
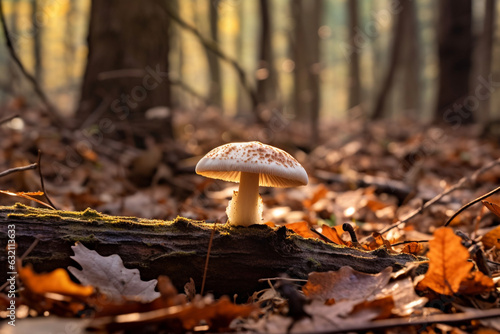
[245, 204]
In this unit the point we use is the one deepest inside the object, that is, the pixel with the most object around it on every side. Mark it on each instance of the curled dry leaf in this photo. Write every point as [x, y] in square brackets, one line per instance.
[109, 275]
[492, 206]
[412, 248]
[346, 283]
[449, 269]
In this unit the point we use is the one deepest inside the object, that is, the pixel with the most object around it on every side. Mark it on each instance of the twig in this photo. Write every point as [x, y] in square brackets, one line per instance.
[18, 169]
[471, 203]
[8, 118]
[321, 236]
[438, 197]
[51, 110]
[39, 164]
[417, 321]
[282, 279]
[409, 242]
[206, 261]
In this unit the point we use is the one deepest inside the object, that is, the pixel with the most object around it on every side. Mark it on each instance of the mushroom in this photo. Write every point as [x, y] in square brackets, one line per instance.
[251, 164]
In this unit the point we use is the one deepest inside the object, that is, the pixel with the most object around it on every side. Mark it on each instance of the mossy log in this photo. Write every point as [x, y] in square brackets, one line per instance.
[240, 256]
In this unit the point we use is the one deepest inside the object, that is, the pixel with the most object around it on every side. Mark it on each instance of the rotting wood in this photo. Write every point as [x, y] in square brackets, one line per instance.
[240, 256]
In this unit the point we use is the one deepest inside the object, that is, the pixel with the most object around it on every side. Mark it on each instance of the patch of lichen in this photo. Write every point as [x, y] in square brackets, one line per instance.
[90, 239]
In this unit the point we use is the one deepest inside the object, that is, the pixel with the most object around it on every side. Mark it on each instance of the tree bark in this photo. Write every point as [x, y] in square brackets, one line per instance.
[127, 67]
[455, 62]
[239, 256]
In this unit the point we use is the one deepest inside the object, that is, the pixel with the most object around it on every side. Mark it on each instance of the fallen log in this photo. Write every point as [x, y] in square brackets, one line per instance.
[239, 257]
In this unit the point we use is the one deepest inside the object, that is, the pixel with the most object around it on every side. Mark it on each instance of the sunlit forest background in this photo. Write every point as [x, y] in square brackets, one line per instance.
[51, 39]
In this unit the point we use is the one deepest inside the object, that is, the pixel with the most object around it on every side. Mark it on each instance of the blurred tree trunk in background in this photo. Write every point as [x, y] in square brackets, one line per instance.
[455, 62]
[69, 42]
[485, 55]
[400, 26]
[37, 39]
[127, 67]
[213, 60]
[354, 71]
[266, 74]
[307, 21]
[411, 64]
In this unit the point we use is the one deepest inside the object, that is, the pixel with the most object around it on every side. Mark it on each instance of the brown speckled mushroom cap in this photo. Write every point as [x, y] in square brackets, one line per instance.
[276, 168]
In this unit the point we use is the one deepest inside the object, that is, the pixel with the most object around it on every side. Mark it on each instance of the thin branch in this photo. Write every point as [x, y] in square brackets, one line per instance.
[213, 47]
[438, 197]
[207, 258]
[51, 110]
[18, 169]
[471, 203]
[409, 242]
[418, 321]
[39, 164]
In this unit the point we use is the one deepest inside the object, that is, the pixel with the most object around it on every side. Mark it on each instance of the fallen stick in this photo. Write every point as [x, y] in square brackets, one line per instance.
[239, 256]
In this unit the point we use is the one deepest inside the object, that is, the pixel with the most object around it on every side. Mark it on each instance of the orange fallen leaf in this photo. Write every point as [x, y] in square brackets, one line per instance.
[302, 229]
[492, 205]
[333, 234]
[412, 248]
[448, 263]
[475, 283]
[57, 281]
[376, 240]
[492, 238]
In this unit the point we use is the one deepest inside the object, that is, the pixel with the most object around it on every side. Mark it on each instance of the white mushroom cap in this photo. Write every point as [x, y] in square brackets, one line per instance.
[276, 168]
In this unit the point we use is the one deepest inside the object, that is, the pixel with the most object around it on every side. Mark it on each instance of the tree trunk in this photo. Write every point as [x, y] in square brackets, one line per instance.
[455, 63]
[266, 75]
[354, 72]
[314, 68]
[307, 20]
[127, 67]
[239, 256]
[411, 64]
[396, 50]
[37, 40]
[486, 53]
[301, 94]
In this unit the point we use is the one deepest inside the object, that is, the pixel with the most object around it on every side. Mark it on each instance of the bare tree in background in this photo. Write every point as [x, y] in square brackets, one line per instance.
[455, 62]
[400, 29]
[354, 71]
[37, 40]
[127, 66]
[486, 53]
[266, 74]
[307, 21]
[215, 94]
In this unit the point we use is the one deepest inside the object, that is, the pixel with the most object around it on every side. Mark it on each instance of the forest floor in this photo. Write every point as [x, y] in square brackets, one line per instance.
[395, 182]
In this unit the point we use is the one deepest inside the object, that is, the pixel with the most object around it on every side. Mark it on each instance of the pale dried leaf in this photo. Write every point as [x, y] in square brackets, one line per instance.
[109, 275]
